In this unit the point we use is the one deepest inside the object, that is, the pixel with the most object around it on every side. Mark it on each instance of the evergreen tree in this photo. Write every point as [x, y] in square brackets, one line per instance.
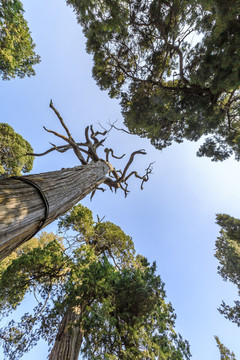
[174, 65]
[94, 295]
[13, 149]
[228, 254]
[17, 55]
[224, 352]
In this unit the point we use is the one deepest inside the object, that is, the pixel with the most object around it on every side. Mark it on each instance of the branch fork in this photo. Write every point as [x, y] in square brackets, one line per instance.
[87, 151]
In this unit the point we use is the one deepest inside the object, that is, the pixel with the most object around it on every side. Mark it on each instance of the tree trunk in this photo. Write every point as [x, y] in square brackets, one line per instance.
[23, 209]
[69, 338]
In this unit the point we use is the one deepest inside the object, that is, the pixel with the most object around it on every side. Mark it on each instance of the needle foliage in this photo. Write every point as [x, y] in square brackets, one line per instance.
[173, 64]
[119, 298]
[17, 55]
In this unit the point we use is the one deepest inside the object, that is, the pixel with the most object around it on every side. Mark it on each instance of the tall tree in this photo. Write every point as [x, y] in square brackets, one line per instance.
[97, 296]
[31, 202]
[228, 254]
[174, 65]
[13, 149]
[17, 55]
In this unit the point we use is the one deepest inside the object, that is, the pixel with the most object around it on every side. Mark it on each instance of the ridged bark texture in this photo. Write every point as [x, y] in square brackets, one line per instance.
[22, 209]
[69, 338]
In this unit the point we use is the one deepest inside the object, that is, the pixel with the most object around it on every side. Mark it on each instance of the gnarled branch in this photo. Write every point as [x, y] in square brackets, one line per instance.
[117, 178]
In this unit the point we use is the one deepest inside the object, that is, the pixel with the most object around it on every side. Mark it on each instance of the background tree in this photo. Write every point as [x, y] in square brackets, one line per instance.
[96, 295]
[13, 149]
[174, 65]
[31, 202]
[17, 55]
[228, 254]
[224, 352]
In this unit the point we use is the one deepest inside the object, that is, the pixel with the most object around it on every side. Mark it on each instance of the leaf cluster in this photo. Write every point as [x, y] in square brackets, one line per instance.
[17, 55]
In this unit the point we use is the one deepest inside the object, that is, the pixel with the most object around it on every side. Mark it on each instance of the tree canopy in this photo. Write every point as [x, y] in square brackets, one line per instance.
[228, 254]
[17, 55]
[174, 65]
[13, 149]
[121, 304]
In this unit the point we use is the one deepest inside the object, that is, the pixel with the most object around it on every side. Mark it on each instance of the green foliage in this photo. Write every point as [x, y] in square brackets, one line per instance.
[36, 242]
[121, 305]
[13, 149]
[224, 352]
[174, 65]
[134, 322]
[39, 262]
[17, 55]
[106, 238]
[228, 254]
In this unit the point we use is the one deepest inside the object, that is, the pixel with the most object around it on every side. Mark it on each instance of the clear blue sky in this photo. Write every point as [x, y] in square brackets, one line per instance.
[172, 220]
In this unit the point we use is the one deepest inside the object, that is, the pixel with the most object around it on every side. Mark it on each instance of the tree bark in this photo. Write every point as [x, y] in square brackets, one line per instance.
[69, 338]
[22, 208]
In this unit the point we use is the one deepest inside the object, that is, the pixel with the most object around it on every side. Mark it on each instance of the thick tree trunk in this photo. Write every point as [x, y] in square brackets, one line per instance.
[22, 208]
[69, 338]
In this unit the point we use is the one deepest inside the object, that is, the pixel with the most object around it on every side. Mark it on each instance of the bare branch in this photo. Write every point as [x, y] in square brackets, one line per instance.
[62, 148]
[94, 191]
[144, 178]
[58, 135]
[120, 129]
[107, 151]
[61, 119]
[100, 220]
[34, 293]
[142, 152]
[111, 255]
[70, 142]
[94, 135]
[86, 135]
[121, 181]
[117, 178]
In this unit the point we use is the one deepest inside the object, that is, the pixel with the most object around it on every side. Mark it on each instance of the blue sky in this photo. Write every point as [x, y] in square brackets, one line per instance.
[172, 220]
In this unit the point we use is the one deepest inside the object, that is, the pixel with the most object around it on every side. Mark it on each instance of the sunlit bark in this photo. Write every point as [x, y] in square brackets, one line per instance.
[22, 209]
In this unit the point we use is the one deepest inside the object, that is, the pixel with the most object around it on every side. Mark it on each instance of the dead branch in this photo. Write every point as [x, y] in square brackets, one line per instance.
[61, 119]
[58, 148]
[94, 191]
[117, 178]
[107, 151]
[100, 220]
[123, 130]
[145, 177]
[142, 152]
[113, 126]
[71, 142]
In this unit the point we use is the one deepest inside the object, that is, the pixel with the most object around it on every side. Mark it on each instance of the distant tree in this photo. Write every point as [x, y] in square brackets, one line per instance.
[174, 65]
[96, 296]
[13, 149]
[224, 352]
[17, 55]
[28, 203]
[228, 254]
